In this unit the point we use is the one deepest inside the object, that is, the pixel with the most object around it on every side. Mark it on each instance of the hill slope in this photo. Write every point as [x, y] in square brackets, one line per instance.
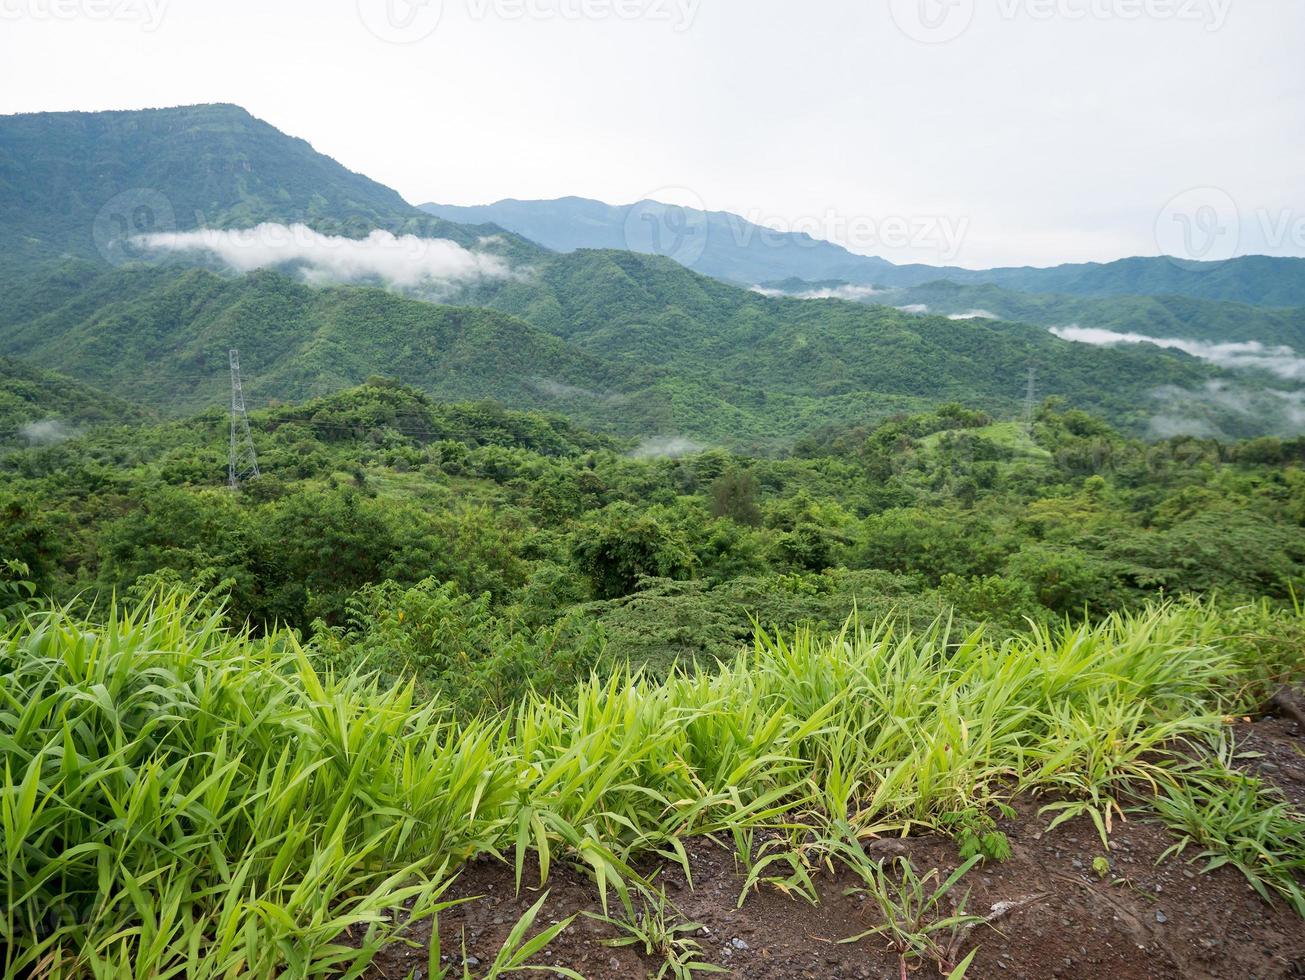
[167, 334]
[827, 361]
[40, 407]
[630, 344]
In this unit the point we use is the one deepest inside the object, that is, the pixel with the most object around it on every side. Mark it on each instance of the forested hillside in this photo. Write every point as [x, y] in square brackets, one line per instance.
[630, 344]
[164, 335]
[379, 500]
[41, 406]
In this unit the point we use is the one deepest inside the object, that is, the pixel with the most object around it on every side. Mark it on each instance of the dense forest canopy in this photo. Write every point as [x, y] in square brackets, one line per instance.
[506, 527]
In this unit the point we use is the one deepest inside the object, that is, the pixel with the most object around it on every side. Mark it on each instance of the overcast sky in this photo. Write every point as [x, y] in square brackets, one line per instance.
[976, 132]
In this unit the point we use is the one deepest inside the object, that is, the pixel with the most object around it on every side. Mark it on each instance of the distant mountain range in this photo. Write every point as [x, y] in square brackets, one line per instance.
[729, 247]
[623, 339]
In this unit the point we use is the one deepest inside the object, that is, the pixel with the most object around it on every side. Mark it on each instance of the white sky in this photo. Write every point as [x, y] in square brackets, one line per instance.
[1045, 131]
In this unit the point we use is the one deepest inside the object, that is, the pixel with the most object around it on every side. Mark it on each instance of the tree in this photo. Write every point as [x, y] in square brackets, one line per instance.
[620, 547]
[734, 495]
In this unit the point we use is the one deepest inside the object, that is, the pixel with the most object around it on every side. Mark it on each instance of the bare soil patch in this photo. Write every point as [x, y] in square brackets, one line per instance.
[1144, 920]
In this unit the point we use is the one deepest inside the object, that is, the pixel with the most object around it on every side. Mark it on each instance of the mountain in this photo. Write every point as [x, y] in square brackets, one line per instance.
[715, 243]
[729, 247]
[74, 183]
[627, 343]
[1257, 279]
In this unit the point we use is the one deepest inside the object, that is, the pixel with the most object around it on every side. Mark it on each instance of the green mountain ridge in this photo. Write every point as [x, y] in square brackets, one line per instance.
[629, 344]
[166, 340]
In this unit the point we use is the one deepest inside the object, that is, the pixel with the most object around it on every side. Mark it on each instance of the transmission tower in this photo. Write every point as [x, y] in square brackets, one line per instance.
[242, 463]
[1031, 396]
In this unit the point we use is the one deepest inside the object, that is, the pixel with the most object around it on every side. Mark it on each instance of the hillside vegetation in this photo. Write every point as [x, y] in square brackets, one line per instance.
[632, 344]
[1153, 316]
[471, 542]
[40, 406]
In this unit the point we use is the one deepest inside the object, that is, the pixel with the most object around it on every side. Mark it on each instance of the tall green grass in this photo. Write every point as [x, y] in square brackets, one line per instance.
[183, 801]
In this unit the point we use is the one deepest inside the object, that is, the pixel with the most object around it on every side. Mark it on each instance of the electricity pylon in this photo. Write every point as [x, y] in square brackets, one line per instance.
[242, 464]
[1031, 396]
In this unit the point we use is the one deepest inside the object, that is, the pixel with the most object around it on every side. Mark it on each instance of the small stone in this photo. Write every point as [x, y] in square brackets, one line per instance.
[1077, 863]
[471, 961]
[1161, 917]
[614, 963]
[738, 943]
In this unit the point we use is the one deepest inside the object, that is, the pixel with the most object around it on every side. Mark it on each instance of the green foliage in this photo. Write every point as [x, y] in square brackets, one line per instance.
[380, 484]
[456, 646]
[43, 408]
[976, 834]
[16, 591]
[916, 924]
[734, 495]
[664, 935]
[928, 542]
[617, 548]
[1236, 820]
[183, 799]
[517, 949]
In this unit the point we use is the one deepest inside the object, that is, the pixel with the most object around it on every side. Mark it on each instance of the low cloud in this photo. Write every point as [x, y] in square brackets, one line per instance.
[1219, 409]
[915, 308]
[666, 447]
[974, 315]
[404, 261]
[562, 390]
[47, 432]
[1282, 361]
[853, 294]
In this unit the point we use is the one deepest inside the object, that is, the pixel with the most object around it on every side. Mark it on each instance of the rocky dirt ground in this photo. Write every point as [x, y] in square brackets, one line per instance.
[1145, 920]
